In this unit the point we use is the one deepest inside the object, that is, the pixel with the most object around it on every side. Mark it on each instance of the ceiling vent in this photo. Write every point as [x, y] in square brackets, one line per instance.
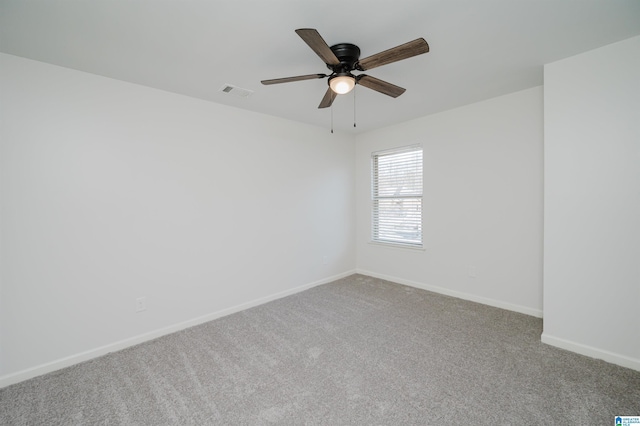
[237, 91]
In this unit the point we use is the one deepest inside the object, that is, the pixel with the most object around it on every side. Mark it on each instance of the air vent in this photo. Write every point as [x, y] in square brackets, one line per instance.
[237, 91]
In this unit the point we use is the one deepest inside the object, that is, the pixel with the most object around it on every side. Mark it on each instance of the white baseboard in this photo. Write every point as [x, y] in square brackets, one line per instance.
[122, 344]
[590, 351]
[459, 294]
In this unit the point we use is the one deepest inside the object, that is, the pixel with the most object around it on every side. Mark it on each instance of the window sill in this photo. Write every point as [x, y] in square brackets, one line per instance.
[397, 246]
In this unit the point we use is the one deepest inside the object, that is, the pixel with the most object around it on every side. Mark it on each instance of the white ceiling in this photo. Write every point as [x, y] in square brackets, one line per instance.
[479, 48]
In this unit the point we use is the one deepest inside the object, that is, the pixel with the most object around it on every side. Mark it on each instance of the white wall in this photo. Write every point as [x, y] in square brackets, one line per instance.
[482, 203]
[592, 203]
[113, 191]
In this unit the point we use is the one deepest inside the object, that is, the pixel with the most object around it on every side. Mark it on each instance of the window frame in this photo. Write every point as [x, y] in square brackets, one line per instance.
[416, 194]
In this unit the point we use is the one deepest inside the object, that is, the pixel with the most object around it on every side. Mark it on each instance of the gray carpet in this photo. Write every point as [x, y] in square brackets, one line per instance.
[356, 351]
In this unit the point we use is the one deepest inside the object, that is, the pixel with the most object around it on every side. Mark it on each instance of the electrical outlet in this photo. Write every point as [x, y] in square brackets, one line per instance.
[141, 304]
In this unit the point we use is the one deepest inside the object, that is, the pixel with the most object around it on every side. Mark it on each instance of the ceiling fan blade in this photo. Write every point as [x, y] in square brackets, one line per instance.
[398, 53]
[380, 85]
[329, 96]
[290, 79]
[318, 45]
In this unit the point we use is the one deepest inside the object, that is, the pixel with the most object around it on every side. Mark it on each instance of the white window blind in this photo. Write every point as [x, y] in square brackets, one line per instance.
[397, 196]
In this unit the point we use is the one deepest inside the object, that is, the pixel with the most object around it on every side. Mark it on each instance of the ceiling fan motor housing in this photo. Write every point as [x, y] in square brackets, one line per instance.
[348, 54]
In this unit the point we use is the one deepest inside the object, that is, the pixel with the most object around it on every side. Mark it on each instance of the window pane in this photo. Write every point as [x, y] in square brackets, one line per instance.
[397, 196]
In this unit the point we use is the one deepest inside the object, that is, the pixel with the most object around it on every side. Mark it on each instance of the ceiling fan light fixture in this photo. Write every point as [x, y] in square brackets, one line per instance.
[342, 84]
[343, 58]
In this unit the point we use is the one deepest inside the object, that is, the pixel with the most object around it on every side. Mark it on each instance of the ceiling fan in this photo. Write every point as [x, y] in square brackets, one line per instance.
[343, 58]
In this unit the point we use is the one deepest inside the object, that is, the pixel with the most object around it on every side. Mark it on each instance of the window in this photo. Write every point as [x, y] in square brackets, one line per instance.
[397, 196]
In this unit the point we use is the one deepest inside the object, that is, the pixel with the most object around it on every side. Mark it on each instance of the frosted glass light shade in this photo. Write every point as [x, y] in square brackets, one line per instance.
[342, 84]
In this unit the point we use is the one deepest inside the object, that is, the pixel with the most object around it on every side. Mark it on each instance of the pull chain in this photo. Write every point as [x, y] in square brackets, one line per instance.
[331, 117]
[354, 107]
